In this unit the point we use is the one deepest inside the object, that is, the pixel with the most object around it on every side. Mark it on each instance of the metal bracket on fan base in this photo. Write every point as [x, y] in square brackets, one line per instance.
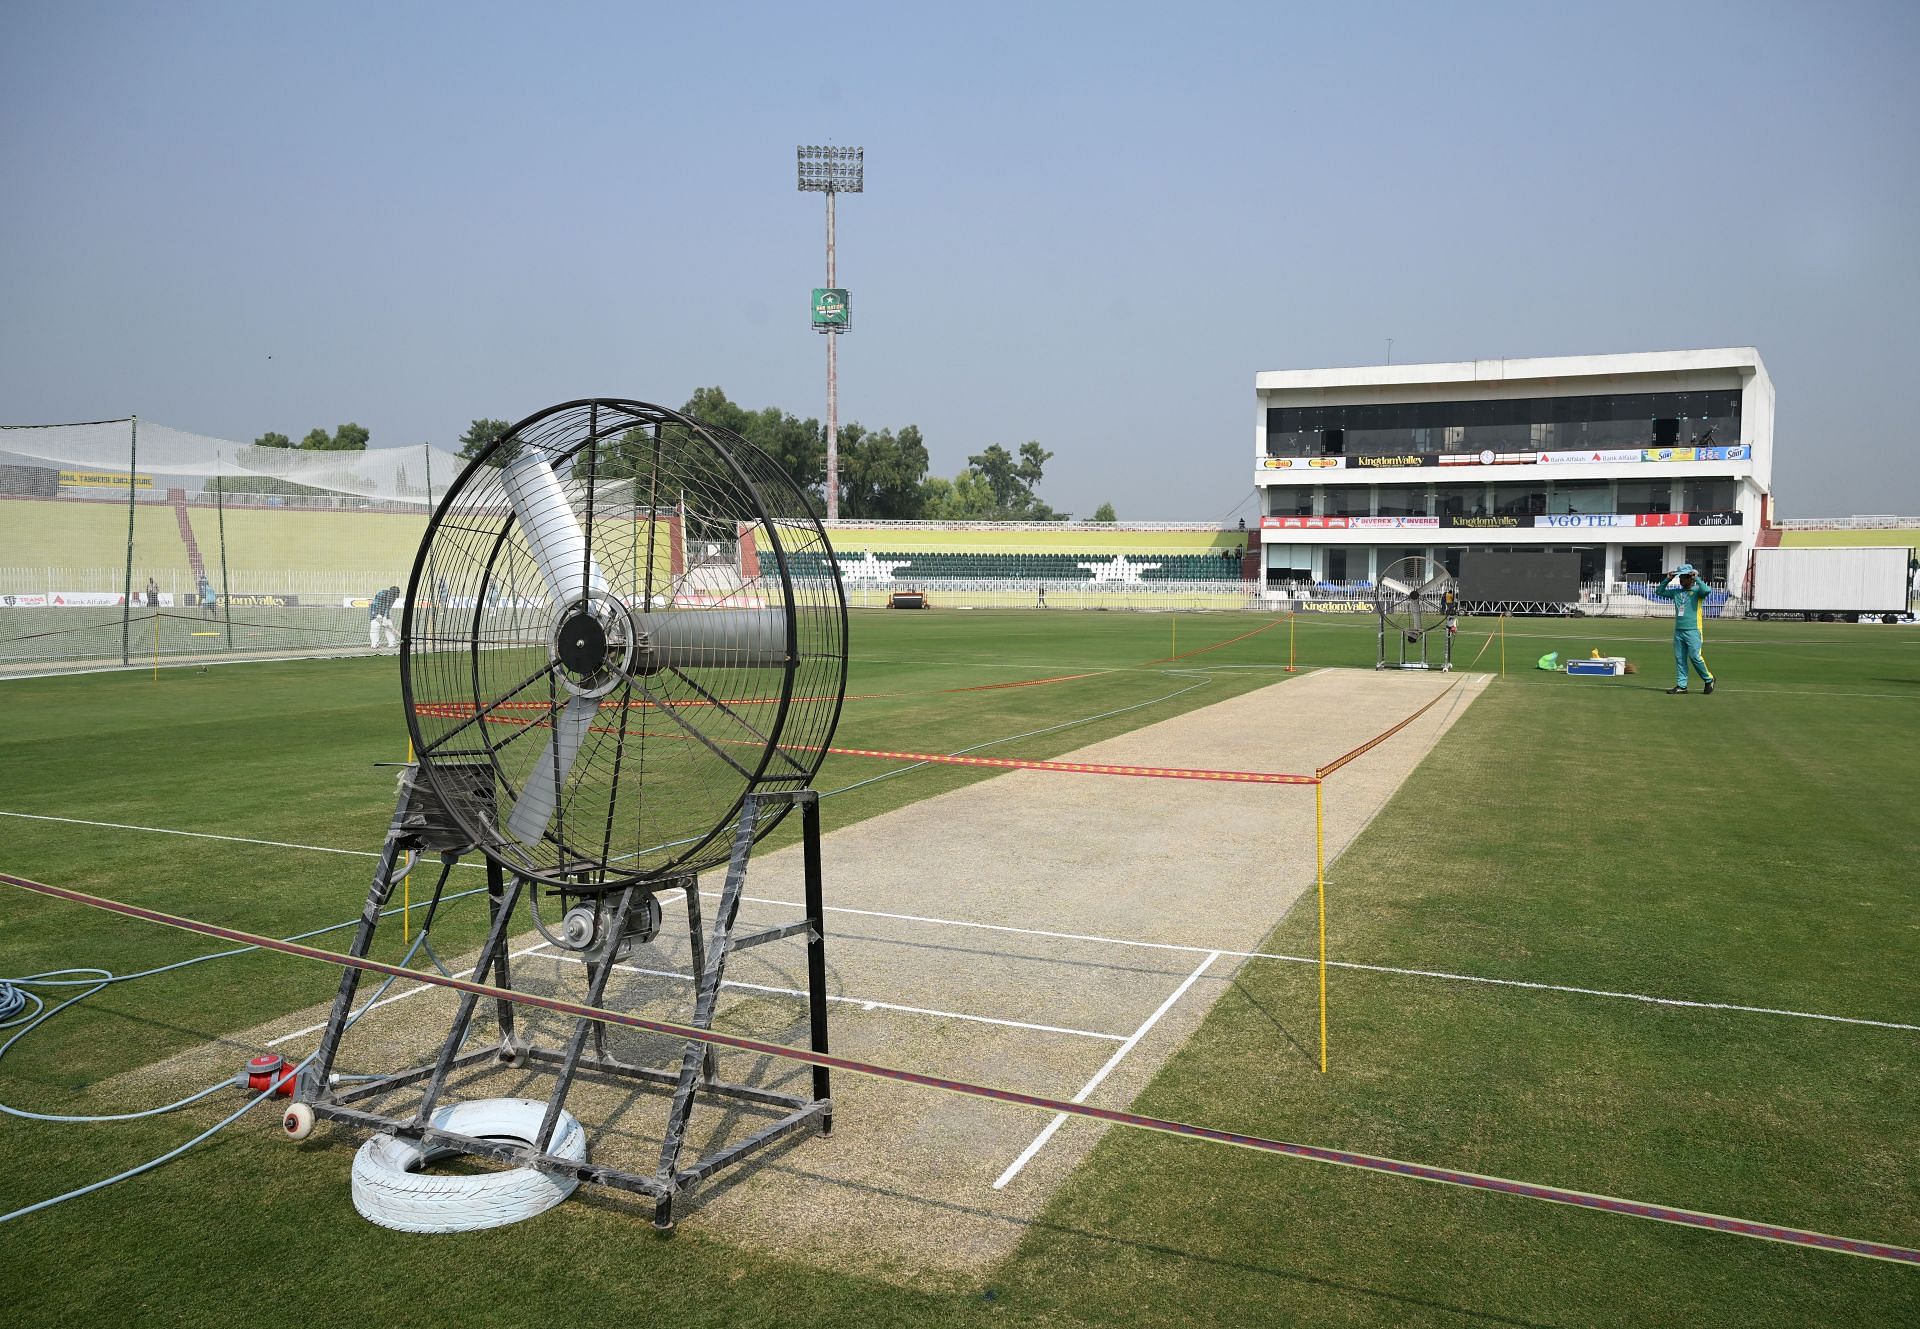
[696, 1076]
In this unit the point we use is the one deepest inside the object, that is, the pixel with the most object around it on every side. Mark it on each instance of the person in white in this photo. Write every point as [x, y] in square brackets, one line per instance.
[380, 618]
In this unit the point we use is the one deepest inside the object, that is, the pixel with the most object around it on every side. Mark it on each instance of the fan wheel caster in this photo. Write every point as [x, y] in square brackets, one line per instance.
[297, 1121]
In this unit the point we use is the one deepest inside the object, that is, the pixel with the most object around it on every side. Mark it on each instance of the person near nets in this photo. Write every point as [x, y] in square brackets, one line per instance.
[380, 618]
[207, 598]
[1689, 592]
[153, 593]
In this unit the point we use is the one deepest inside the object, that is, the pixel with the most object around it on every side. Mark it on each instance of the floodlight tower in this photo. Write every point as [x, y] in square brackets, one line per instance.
[830, 171]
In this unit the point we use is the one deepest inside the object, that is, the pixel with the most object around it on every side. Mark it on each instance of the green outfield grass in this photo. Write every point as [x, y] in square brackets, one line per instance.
[1879, 539]
[1752, 848]
[39, 536]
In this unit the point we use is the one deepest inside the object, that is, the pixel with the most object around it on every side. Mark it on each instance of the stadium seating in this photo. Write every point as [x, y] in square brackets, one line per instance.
[272, 546]
[1084, 565]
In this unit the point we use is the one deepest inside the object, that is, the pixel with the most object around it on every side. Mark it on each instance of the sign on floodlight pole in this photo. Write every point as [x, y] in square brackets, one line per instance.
[830, 171]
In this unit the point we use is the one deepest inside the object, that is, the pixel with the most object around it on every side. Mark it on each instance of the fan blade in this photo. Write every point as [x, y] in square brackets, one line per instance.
[535, 806]
[713, 638]
[547, 523]
[1438, 581]
[1397, 587]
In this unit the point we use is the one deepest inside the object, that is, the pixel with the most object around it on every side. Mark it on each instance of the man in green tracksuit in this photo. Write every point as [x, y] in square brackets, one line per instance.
[1689, 595]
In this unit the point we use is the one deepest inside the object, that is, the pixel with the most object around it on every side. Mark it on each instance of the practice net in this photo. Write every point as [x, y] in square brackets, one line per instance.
[123, 541]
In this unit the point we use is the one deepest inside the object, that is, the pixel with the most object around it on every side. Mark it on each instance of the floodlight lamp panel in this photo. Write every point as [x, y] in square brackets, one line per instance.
[830, 170]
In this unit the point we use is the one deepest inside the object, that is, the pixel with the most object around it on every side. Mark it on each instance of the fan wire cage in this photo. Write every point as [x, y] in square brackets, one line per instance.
[621, 623]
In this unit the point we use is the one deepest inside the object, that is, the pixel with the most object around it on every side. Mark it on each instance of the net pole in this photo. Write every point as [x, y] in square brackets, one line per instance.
[1503, 645]
[1320, 889]
[226, 578]
[156, 640]
[1291, 615]
[126, 597]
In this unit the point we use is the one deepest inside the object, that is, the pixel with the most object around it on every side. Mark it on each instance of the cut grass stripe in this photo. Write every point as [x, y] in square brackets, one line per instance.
[1694, 1218]
[1443, 975]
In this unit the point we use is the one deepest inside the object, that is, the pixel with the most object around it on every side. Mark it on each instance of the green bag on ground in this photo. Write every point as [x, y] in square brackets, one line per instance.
[1550, 661]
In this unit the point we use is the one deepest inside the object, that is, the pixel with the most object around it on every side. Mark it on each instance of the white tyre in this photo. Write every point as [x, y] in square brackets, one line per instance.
[297, 1121]
[388, 1189]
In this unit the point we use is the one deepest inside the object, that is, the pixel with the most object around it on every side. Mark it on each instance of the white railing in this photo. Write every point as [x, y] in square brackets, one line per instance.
[1866, 523]
[311, 588]
[1078, 527]
[234, 498]
[1146, 596]
[331, 590]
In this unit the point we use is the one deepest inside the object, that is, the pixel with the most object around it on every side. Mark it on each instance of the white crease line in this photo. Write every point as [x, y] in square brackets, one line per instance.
[388, 1001]
[862, 1002]
[1353, 964]
[1568, 989]
[1040, 1140]
[192, 835]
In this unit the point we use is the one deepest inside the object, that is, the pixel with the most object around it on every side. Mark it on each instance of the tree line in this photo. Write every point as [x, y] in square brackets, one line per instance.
[883, 472]
[347, 438]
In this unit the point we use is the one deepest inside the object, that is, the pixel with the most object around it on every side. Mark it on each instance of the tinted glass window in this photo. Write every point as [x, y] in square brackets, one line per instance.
[1624, 419]
[1707, 495]
[1348, 501]
[1402, 501]
[1645, 496]
[1641, 562]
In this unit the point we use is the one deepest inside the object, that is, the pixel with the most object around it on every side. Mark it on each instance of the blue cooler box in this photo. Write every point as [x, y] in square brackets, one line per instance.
[1607, 666]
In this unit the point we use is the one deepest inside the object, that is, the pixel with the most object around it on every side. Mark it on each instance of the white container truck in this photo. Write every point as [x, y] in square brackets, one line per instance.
[1830, 583]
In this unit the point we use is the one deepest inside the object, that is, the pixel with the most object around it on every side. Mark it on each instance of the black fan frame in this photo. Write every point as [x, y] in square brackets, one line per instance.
[455, 789]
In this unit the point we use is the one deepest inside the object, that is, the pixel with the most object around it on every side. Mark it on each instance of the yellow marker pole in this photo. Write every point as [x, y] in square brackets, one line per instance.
[156, 645]
[1176, 637]
[1320, 885]
[1290, 617]
[406, 882]
[1503, 645]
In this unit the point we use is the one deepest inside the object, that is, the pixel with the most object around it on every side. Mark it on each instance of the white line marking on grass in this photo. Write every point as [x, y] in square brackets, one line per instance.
[1352, 964]
[1113, 941]
[865, 1003]
[192, 835]
[1795, 692]
[388, 1001]
[1040, 1140]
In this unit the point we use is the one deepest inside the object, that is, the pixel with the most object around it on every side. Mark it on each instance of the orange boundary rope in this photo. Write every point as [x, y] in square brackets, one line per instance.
[1324, 771]
[1202, 650]
[1694, 1218]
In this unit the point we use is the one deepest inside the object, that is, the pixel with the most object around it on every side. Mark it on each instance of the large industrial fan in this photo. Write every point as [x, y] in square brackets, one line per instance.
[1413, 598]
[623, 657]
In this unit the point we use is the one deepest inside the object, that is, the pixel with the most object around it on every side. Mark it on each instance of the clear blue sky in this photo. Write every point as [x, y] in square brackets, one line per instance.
[1087, 225]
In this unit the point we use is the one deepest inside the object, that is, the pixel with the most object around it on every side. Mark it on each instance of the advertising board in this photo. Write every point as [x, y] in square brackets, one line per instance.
[103, 480]
[1303, 523]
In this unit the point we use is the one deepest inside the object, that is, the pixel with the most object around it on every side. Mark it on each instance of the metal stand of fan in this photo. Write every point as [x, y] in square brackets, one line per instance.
[1408, 661]
[697, 1074]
